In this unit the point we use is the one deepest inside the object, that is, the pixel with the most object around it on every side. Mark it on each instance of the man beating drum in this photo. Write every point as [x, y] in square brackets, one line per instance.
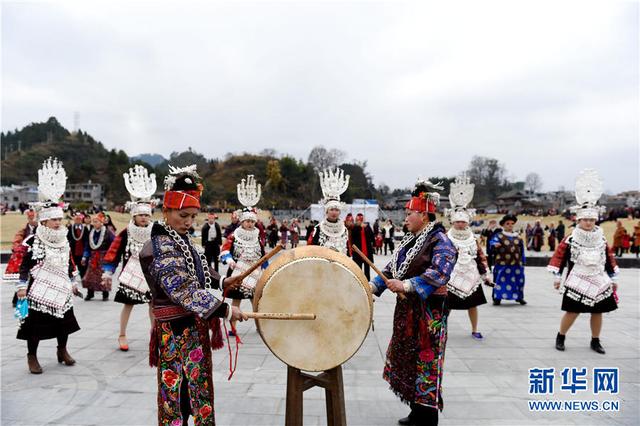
[331, 231]
[419, 270]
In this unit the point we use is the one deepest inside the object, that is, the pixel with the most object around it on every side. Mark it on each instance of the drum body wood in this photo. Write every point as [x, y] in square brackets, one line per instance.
[314, 279]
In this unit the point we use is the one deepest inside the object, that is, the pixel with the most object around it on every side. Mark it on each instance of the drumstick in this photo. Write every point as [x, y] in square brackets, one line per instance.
[259, 263]
[280, 316]
[376, 270]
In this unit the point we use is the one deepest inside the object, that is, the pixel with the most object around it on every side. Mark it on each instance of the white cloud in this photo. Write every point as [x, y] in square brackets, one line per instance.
[414, 88]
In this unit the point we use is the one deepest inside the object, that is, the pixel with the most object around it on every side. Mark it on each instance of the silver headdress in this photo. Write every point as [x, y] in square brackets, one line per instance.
[460, 195]
[52, 181]
[249, 193]
[141, 187]
[190, 172]
[589, 189]
[333, 183]
[422, 187]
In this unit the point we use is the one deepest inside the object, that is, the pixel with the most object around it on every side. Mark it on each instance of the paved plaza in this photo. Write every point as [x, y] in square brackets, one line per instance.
[485, 383]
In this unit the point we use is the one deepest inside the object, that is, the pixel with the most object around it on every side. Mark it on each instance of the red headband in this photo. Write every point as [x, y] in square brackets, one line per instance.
[181, 199]
[100, 216]
[421, 204]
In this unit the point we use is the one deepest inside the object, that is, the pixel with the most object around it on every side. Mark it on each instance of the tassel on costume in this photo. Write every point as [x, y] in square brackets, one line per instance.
[217, 341]
[154, 353]
[409, 323]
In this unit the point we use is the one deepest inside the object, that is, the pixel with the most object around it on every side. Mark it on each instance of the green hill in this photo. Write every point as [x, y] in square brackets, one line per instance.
[151, 159]
[286, 181]
[23, 152]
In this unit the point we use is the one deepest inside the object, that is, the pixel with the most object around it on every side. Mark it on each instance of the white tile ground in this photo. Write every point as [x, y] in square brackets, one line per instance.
[485, 383]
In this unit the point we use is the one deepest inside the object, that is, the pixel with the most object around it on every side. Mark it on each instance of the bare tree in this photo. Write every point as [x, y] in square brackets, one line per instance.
[269, 152]
[321, 158]
[533, 182]
[489, 176]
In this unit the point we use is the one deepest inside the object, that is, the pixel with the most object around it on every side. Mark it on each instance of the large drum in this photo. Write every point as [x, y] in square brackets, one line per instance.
[318, 280]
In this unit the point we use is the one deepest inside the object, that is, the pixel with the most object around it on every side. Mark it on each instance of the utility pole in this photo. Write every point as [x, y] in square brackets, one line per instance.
[76, 121]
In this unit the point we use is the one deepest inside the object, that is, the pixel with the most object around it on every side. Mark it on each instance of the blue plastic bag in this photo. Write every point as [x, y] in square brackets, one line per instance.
[22, 310]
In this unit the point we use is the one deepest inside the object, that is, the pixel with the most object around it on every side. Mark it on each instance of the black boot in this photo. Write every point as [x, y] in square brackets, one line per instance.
[89, 295]
[410, 420]
[496, 301]
[560, 342]
[105, 296]
[406, 421]
[596, 346]
[521, 301]
[425, 416]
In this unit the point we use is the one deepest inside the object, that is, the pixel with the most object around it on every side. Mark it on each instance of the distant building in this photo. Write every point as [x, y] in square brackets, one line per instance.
[14, 195]
[517, 201]
[558, 200]
[88, 192]
[633, 198]
[487, 207]
[612, 202]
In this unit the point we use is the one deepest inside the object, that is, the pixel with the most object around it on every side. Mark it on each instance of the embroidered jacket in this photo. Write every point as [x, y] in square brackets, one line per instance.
[431, 267]
[561, 259]
[28, 263]
[165, 269]
[82, 234]
[117, 252]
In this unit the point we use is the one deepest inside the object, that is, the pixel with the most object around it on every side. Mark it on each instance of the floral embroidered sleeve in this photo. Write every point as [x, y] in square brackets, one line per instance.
[169, 269]
[226, 250]
[27, 264]
[559, 259]
[443, 259]
[115, 253]
[611, 266]
[481, 260]
[378, 283]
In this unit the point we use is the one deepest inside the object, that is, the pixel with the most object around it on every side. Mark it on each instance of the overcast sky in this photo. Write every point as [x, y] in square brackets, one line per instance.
[546, 87]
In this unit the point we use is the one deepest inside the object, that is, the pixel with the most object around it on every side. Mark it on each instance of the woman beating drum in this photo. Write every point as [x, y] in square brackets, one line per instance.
[331, 232]
[183, 306]
[243, 247]
[419, 269]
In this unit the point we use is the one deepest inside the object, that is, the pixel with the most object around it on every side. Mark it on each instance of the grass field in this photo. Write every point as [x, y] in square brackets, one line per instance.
[12, 222]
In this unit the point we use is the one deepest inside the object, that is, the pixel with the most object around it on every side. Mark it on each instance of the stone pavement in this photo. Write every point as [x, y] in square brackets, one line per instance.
[485, 383]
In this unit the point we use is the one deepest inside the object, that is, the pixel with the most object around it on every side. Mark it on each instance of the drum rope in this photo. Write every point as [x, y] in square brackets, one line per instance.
[233, 362]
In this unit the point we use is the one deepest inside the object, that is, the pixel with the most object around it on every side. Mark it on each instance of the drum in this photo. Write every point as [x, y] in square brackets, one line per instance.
[318, 280]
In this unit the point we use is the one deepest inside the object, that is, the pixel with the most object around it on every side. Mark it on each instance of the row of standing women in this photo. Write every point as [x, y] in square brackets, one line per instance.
[435, 269]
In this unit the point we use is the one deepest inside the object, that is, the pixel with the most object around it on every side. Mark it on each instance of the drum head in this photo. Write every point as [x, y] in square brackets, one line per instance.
[318, 280]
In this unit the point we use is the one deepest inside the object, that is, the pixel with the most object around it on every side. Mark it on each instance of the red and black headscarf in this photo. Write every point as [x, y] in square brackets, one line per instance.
[182, 188]
[422, 200]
